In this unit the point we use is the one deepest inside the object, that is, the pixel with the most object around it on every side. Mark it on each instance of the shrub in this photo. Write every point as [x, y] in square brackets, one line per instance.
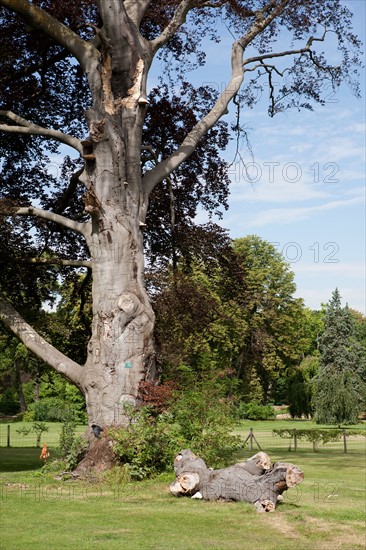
[49, 409]
[52, 409]
[158, 397]
[255, 411]
[72, 447]
[206, 421]
[197, 420]
[149, 444]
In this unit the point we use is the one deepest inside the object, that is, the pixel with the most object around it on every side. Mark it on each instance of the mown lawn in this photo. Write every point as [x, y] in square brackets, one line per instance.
[51, 437]
[325, 512]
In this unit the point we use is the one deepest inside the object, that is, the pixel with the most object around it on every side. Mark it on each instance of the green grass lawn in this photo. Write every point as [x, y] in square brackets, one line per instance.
[325, 512]
[269, 425]
[19, 460]
[263, 433]
[18, 440]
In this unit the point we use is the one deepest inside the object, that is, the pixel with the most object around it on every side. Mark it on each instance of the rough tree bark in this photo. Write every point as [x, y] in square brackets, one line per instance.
[255, 480]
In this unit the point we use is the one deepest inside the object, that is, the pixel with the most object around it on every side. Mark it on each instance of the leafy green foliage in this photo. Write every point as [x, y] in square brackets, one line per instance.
[51, 409]
[300, 387]
[206, 421]
[196, 420]
[233, 315]
[57, 399]
[255, 411]
[72, 446]
[148, 444]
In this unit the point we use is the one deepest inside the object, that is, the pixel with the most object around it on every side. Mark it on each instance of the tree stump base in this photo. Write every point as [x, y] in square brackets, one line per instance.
[98, 459]
[255, 480]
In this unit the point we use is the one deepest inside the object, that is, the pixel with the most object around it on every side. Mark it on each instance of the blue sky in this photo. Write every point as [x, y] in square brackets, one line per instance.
[305, 186]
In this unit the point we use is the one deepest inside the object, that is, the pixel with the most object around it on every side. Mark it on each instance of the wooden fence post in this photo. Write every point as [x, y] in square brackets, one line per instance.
[251, 437]
[345, 441]
[295, 440]
[8, 436]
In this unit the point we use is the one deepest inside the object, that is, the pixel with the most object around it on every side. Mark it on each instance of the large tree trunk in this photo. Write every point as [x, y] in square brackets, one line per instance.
[120, 351]
[255, 480]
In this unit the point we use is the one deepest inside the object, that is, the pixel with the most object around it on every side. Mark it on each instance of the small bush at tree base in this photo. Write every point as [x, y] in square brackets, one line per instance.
[72, 447]
[197, 420]
[148, 444]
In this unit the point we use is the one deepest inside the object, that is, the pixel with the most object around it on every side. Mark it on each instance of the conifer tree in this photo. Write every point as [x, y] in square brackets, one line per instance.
[339, 388]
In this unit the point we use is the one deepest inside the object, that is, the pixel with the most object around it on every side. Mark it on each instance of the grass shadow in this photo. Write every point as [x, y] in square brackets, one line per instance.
[18, 459]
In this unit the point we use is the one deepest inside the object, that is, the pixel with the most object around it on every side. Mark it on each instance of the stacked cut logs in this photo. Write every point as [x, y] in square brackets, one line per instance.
[256, 480]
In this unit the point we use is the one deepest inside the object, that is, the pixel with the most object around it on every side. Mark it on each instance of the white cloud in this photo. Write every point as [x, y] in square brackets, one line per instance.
[357, 128]
[288, 215]
[278, 191]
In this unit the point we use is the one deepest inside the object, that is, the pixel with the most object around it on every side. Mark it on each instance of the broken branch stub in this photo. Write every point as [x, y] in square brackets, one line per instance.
[255, 480]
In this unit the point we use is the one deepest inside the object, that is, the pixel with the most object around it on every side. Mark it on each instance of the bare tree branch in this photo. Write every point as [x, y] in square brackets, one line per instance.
[189, 144]
[26, 127]
[38, 345]
[305, 49]
[157, 174]
[271, 87]
[38, 18]
[177, 21]
[273, 55]
[245, 12]
[51, 216]
[64, 201]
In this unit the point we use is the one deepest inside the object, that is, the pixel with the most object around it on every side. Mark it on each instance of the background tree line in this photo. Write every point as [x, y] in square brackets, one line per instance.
[225, 314]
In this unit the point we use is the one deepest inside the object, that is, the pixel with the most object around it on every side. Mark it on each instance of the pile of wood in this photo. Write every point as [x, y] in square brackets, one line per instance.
[256, 480]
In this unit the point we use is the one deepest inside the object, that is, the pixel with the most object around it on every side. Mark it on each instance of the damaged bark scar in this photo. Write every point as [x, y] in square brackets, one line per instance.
[134, 92]
[96, 130]
[91, 201]
[106, 74]
[112, 104]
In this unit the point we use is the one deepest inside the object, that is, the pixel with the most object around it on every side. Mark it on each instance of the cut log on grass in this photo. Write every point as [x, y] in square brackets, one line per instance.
[254, 480]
